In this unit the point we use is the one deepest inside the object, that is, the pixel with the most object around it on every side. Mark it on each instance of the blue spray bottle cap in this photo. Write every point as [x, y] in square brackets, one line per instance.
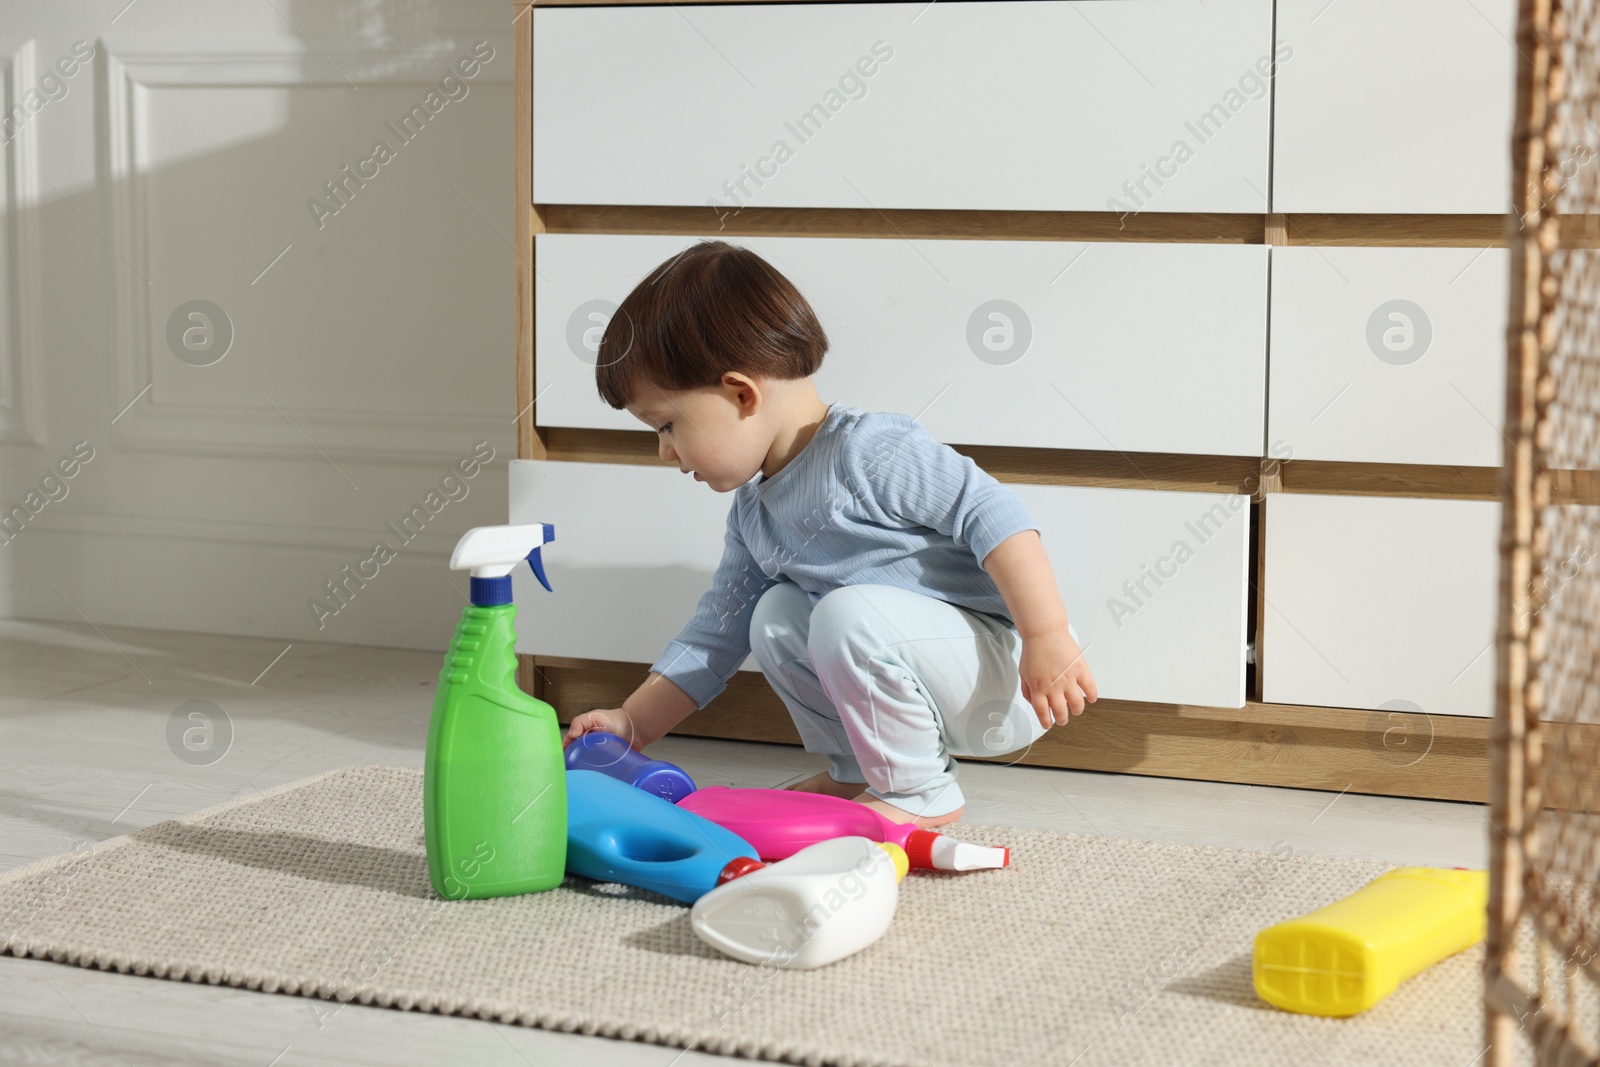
[490, 553]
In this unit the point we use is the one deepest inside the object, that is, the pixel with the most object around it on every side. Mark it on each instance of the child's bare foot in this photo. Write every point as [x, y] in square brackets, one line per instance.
[823, 782]
[889, 811]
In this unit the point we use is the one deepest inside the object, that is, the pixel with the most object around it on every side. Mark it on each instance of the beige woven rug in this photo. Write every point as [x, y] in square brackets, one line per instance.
[1085, 950]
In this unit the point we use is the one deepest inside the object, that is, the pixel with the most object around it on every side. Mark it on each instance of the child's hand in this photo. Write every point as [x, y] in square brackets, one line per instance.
[611, 720]
[1055, 677]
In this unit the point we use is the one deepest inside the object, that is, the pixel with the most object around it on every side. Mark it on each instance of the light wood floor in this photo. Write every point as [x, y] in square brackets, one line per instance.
[84, 756]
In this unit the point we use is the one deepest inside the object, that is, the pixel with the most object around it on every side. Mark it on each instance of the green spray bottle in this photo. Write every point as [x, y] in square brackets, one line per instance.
[494, 781]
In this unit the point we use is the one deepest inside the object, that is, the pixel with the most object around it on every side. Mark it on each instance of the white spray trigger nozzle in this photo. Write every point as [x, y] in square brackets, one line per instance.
[492, 551]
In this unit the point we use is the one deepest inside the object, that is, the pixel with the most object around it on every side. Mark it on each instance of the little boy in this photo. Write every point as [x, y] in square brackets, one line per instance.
[897, 597]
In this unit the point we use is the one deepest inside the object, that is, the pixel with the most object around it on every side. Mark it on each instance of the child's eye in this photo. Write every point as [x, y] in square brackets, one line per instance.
[664, 427]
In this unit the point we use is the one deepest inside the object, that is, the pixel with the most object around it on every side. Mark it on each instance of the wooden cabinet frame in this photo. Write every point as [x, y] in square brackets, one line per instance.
[1266, 744]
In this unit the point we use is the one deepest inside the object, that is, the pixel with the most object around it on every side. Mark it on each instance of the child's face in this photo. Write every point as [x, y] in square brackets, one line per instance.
[707, 432]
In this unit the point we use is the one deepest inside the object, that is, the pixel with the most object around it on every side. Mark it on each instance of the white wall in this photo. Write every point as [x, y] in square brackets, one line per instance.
[365, 362]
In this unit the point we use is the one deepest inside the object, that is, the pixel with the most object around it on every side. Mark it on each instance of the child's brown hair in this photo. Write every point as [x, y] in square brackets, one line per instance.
[712, 308]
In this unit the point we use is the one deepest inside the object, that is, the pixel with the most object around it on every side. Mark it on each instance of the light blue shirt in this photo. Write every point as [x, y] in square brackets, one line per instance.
[874, 498]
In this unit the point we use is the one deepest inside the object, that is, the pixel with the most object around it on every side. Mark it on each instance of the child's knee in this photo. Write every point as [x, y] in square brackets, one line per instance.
[840, 621]
[773, 622]
[775, 602]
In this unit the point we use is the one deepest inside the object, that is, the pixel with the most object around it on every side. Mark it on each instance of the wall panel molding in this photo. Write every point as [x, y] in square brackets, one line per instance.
[154, 425]
[21, 308]
[309, 536]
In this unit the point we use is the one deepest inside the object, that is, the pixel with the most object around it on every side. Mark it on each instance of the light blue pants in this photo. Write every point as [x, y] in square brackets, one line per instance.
[890, 684]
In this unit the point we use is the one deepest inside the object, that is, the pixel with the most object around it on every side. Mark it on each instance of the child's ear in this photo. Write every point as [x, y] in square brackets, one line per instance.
[746, 394]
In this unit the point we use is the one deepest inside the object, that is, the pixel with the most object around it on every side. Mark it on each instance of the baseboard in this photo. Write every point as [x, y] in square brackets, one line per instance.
[1443, 757]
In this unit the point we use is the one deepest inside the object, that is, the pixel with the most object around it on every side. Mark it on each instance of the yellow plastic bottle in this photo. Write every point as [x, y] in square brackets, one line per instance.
[1344, 958]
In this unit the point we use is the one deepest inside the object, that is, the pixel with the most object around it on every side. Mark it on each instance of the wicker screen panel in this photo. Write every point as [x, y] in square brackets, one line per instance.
[1542, 1004]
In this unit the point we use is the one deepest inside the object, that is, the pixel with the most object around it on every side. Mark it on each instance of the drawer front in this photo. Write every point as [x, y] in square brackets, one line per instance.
[622, 581]
[1135, 347]
[1155, 584]
[1381, 602]
[1389, 355]
[1398, 108]
[1022, 105]
[1176, 637]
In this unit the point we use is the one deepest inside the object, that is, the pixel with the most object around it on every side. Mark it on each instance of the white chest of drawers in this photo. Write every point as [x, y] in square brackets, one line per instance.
[1191, 243]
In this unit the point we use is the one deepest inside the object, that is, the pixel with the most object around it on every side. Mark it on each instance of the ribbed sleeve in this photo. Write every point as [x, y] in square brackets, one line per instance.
[904, 476]
[716, 640]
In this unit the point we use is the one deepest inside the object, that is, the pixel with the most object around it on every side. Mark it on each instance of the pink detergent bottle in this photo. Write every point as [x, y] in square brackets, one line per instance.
[780, 822]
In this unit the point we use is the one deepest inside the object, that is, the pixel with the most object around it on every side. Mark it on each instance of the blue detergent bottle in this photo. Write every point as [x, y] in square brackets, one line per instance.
[617, 833]
[610, 754]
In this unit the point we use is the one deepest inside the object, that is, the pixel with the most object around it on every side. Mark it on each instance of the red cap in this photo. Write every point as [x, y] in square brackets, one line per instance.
[737, 866]
[919, 849]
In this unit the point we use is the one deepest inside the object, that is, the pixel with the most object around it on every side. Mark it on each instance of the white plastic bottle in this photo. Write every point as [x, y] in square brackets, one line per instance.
[827, 901]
